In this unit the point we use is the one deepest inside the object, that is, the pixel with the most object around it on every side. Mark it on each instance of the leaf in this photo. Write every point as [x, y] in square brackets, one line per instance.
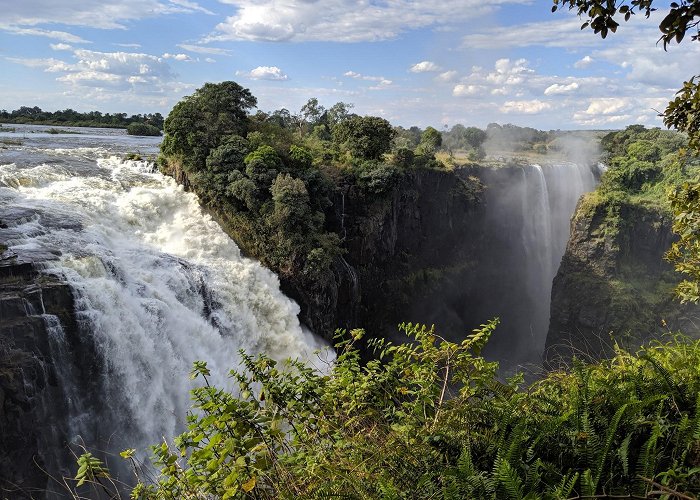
[249, 484]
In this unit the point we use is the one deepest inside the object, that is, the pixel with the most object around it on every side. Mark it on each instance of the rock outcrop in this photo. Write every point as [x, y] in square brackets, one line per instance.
[33, 308]
[613, 285]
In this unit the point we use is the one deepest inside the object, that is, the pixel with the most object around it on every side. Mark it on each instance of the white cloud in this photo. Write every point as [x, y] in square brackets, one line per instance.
[560, 88]
[358, 76]
[525, 107]
[607, 106]
[209, 60]
[60, 46]
[128, 45]
[202, 49]
[56, 35]
[49, 65]
[95, 14]
[121, 71]
[462, 90]
[344, 20]
[617, 111]
[447, 76]
[266, 73]
[191, 6]
[177, 57]
[424, 67]
[584, 62]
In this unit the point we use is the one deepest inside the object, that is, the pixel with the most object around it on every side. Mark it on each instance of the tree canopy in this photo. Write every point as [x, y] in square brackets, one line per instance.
[366, 137]
[197, 124]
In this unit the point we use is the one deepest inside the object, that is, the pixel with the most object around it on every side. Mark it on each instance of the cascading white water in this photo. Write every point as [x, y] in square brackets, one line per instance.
[158, 285]
[528, 212]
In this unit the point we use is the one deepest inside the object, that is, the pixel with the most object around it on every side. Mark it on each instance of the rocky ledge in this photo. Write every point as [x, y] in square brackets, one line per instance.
[31, 400]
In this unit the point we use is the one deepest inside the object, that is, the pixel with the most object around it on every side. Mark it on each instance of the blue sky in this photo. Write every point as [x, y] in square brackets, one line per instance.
[414, 63]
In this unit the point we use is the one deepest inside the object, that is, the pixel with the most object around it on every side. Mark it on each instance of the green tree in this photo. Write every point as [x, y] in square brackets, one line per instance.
[365, 137]
[430, 141]
[198, 123]
[338, 112]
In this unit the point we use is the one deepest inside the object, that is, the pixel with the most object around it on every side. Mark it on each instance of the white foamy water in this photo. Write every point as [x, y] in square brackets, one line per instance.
[158, 285]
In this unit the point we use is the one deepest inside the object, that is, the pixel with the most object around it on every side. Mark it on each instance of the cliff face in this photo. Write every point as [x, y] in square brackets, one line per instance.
[404, 247]
[400, 248]
[32, 402]
[613, 282]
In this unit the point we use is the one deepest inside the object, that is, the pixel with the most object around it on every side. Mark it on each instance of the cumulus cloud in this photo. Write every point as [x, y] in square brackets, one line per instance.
[463, 90]
[525, 107]
[447, 76]
[584, 62]
[113, 70]
[343, 20]
[60, 46]
[424, 67]
[358, 76]
[266, 73]
[560, 88]
[607, 106]
[617, 111]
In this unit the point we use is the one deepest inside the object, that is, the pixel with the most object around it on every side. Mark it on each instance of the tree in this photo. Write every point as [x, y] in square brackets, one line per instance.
[338, 112]
[430, 141]
[366, 137]
[197, 123]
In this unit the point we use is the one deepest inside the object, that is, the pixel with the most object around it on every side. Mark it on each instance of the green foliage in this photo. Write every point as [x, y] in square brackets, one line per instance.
[199, 123]
[683, 113]
[430, 419]
[644, 164]
[430, 141]
[142, 129]
[377, 179]
[365, 137]
[70, 117]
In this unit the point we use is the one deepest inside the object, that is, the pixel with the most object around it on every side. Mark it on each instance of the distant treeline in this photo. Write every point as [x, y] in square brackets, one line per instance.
[72, 118]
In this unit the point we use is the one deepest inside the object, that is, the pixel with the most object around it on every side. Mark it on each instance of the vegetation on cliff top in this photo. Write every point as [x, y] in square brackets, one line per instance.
[272, 178]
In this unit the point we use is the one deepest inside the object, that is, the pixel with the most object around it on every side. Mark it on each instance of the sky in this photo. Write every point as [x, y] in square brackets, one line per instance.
[420, 63]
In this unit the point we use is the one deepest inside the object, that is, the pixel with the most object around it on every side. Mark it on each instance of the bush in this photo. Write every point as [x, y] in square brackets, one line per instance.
[430, 419]
[142, 129]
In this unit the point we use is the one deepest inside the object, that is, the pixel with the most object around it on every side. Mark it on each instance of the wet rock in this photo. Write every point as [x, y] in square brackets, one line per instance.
[32, 405]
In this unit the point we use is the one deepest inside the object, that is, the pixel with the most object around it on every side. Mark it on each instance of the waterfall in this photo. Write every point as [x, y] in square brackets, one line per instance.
[157, 283]
[528, 211]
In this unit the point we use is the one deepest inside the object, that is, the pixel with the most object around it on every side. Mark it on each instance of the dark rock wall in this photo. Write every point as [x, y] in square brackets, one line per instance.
[613, 285]
[405, 250]
[33, 407]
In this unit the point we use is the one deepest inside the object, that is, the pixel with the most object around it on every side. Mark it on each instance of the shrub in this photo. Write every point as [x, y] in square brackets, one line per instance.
[142, 129]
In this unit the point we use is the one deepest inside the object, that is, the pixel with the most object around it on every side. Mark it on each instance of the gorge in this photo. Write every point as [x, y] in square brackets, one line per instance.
[115, 279]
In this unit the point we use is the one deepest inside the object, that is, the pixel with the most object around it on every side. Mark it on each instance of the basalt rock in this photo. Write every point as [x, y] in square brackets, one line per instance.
[613, 285]
[32, 402]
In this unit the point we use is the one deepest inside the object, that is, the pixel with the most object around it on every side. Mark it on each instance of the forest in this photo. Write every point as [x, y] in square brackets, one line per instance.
[71, 118]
